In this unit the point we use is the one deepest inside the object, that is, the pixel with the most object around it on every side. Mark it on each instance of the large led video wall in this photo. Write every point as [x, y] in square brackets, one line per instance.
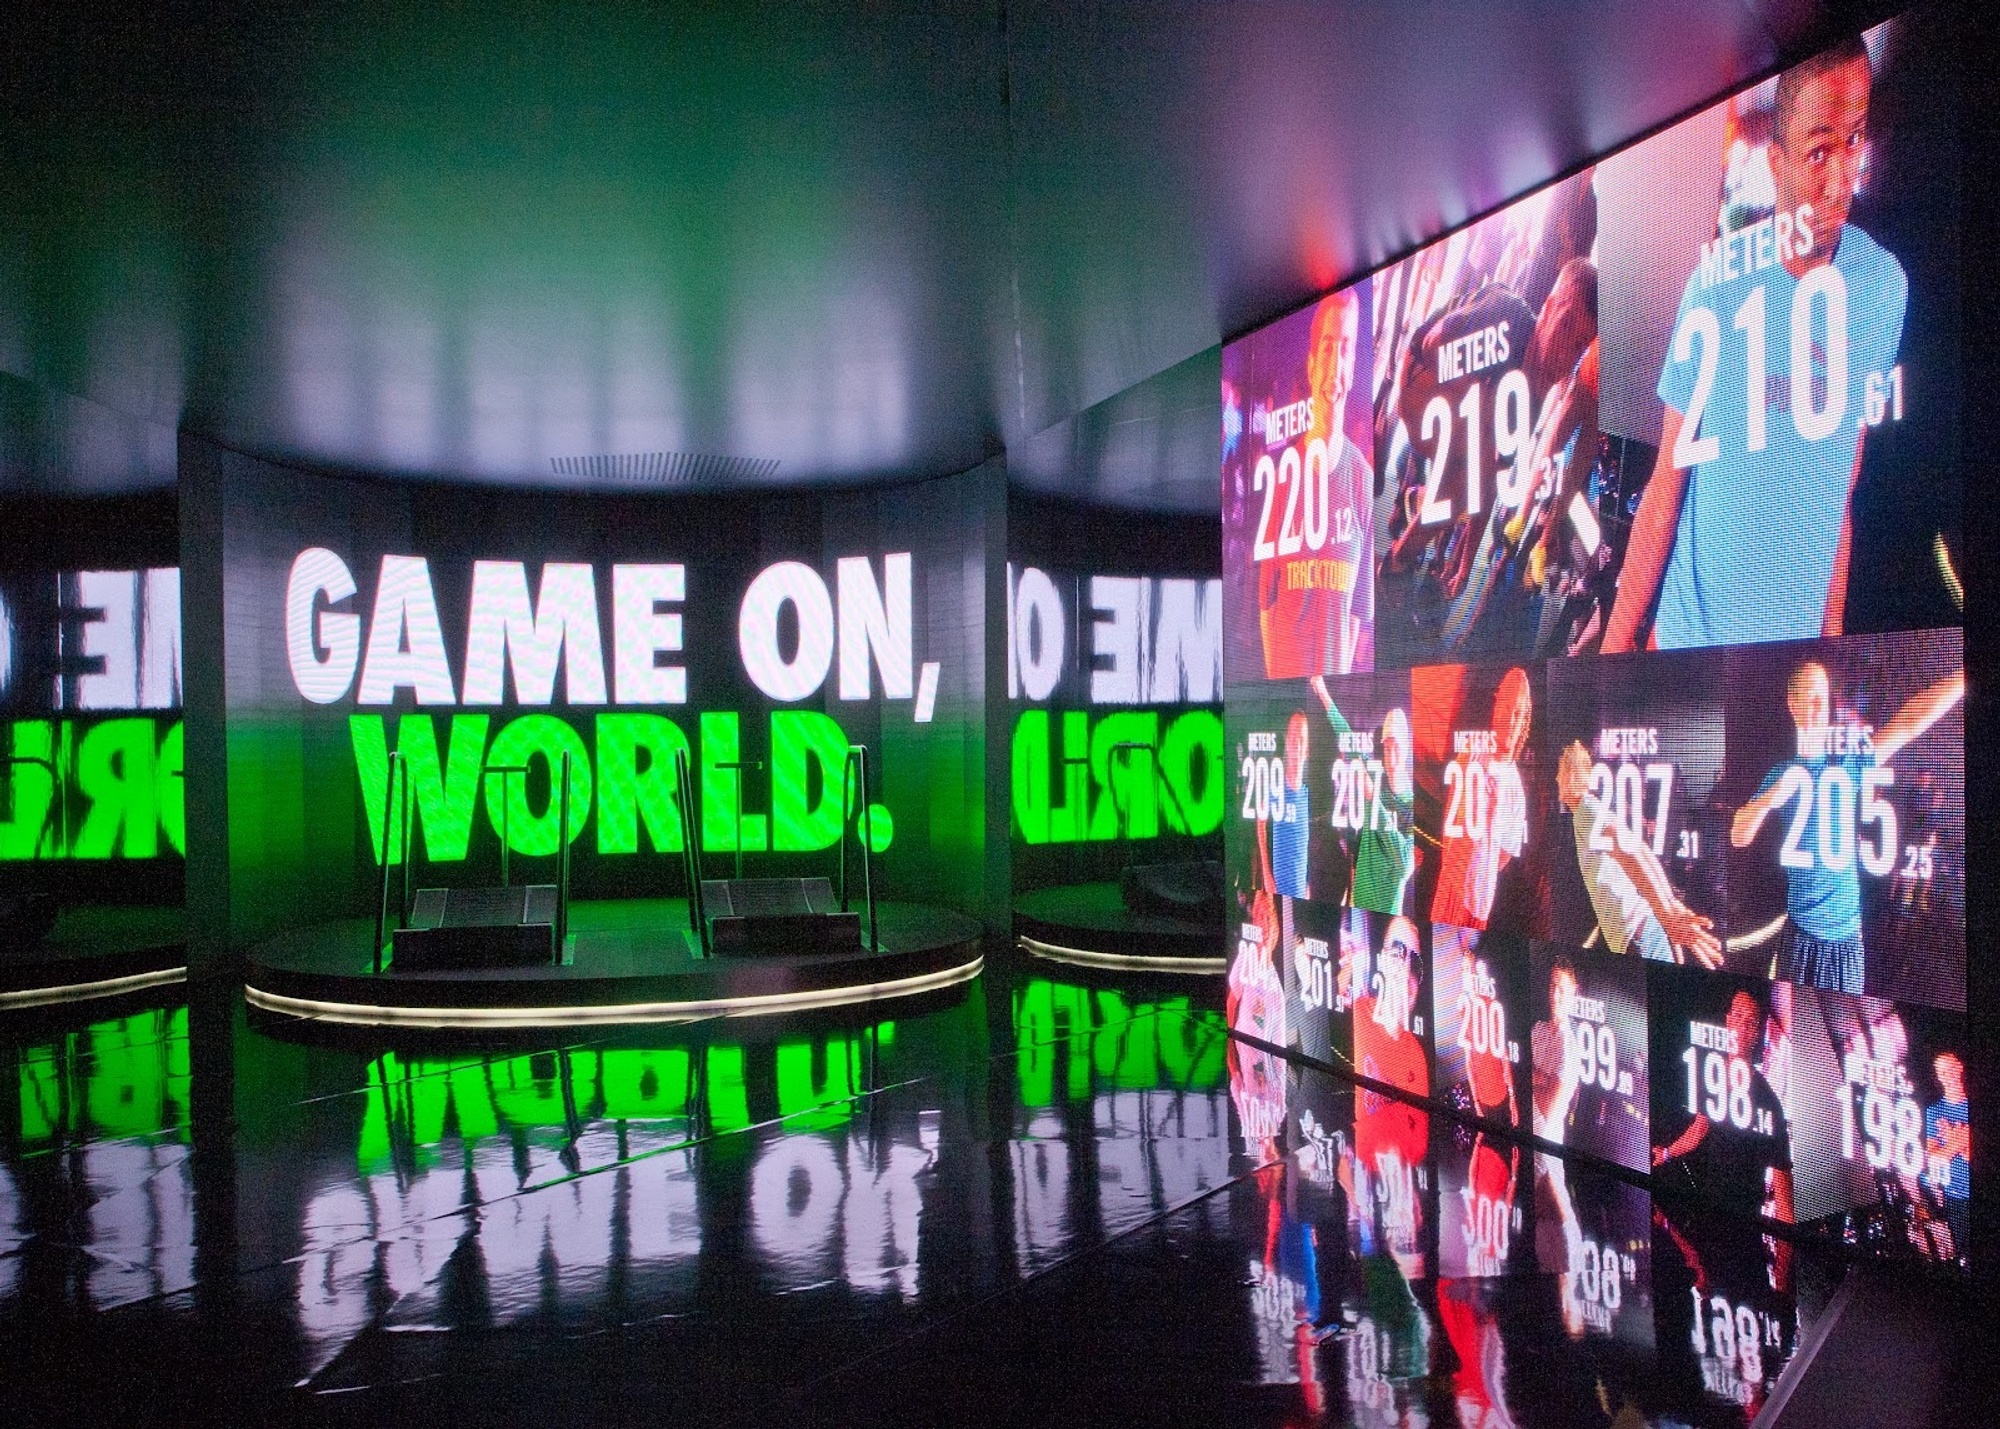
[1114, 685]
[487, 637]
[1595, 667]
[91, 739]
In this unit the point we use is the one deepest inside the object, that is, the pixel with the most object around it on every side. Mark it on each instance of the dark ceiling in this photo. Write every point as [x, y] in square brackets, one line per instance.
[862, 242]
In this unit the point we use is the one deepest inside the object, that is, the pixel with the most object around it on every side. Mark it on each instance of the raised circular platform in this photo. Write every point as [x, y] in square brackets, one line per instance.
[1088, 925]
[629, 961]
[96, 950]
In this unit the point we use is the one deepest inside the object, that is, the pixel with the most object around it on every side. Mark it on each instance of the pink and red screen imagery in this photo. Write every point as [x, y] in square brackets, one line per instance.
[1298, 480]
[1594, 664]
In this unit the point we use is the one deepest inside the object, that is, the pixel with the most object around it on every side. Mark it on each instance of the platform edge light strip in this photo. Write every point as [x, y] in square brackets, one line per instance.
[379, 1014]
[83, 991]
[1128, 962]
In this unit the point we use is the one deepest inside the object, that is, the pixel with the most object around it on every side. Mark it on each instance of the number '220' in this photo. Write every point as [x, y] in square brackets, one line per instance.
[1310, 490]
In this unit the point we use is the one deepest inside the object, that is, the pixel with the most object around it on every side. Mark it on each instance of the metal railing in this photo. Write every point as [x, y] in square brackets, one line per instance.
[398, 817]
[561, 801]
[738, 766]
[857, 815]
[562, 860]
[395, 782]
[691, 847]
[862, 819]
[507, 771]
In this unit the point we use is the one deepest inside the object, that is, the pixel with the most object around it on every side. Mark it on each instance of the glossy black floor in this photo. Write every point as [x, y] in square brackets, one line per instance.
[1037, 1201]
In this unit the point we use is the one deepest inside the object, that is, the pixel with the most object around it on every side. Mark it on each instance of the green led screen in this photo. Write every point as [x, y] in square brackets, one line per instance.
[488, 641]
[108, 788]
[1114, 688]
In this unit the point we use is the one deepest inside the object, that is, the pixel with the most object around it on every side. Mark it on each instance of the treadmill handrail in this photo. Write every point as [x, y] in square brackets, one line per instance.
[391, 786]
[736, 767]
[507, 810]
[562, 861]
[863, 816]
[690, 847]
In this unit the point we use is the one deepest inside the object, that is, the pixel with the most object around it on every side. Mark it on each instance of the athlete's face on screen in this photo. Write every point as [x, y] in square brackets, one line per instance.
[1394, 970]
[1399, 941]
[1297, 743]
[1399, 955]
[1562, 991]
[1573, 775]
[1566, 324]
[1396, 750]
[1513, 713]
[1951, 1076]
[1742, 1023]
[1888, 1041]
[1817, 157]
[1330, 358]
[1810, 698]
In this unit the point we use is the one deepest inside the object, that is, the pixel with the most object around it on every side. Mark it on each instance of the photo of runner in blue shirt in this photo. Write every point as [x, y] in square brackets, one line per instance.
[1283, 839]
[1745, 529]
[1823, 946]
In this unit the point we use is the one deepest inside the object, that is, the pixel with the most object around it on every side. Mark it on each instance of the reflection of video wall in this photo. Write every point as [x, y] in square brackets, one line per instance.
[487, 638]
[91, 742]
[1415, 1234]
[1114, 684]
[1595, 661]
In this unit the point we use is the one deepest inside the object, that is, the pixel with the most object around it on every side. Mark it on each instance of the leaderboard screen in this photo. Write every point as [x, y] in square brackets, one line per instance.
[1594, 668]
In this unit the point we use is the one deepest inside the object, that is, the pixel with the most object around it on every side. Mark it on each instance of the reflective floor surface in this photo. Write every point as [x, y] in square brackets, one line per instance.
[1034, 1201]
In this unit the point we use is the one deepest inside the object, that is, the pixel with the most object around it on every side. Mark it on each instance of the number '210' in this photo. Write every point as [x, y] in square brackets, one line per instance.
[1823, 287]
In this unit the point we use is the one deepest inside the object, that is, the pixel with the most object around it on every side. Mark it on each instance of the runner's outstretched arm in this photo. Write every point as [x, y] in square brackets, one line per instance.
[1750, 818]
[1922, 711]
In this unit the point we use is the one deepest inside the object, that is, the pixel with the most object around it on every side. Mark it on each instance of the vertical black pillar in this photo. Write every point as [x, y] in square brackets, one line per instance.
[213, 996]
[1980, 440]
[998, 870]
[204, 696]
